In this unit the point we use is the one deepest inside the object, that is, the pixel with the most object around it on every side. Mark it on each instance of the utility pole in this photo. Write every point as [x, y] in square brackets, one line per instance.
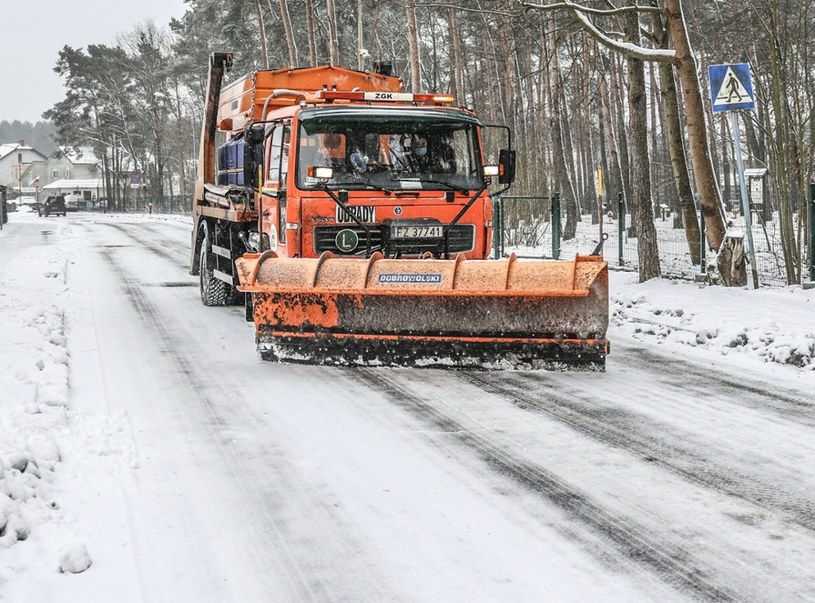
[20, 176]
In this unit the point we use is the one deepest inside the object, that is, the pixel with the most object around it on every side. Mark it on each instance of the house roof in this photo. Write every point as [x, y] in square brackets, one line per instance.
[82, 155]
[74, 183]
[5, 149]
[8, 148]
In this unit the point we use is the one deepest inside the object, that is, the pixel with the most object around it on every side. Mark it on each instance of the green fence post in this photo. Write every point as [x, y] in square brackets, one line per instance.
[3, 207]
[556, 226]
[497, 227]
[811, 233]
[702, 242]
[620, 226]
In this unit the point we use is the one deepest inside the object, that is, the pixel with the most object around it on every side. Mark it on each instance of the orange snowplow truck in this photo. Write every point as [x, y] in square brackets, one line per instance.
[355, 223]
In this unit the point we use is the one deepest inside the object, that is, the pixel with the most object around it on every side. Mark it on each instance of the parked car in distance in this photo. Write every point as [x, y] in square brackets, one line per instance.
[75, 203]
[54, 205]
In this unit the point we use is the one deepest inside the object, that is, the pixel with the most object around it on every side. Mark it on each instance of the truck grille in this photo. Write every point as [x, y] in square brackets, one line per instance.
[462, 239]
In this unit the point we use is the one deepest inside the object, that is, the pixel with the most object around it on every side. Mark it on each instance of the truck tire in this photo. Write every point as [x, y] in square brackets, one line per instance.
[249, 305]
[213, 290]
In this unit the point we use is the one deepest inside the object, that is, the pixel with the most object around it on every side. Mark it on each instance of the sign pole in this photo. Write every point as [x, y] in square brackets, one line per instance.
[811, 233]
[600, 199]
[731, 89]
[745, 202]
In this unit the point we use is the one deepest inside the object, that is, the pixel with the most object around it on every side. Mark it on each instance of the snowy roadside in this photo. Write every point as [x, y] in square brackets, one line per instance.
[62, 451]
[54, 448]
[768, 329]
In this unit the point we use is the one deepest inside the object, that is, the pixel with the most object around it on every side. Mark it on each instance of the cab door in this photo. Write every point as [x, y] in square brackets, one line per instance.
[273, 207]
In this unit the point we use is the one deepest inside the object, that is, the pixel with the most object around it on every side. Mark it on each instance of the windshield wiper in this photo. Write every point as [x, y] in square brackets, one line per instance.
[378, 187]
[368, 185]
[444, 183]
[449, 185]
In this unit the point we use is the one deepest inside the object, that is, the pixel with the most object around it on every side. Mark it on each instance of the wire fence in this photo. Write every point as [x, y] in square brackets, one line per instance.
[527, 226]
[175, 204]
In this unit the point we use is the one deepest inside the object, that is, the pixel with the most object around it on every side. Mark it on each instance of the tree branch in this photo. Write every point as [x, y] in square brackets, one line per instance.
[592, 11]
[626, 48]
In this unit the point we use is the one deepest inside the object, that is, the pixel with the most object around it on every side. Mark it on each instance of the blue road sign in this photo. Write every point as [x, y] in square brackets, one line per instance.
[731, 88]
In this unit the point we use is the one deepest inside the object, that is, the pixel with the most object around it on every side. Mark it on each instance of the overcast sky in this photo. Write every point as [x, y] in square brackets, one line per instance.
[33, 33]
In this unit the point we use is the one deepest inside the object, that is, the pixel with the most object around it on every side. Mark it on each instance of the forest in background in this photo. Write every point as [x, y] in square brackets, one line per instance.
[556, 73]
[40, 136]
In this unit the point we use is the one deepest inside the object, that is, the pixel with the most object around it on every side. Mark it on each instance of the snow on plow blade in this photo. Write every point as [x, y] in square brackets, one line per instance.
[475, 313]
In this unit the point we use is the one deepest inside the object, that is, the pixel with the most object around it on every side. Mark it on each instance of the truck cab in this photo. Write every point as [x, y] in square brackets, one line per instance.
[358, 179]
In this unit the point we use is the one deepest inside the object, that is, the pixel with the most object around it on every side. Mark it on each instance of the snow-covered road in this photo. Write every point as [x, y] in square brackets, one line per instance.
[140, 428]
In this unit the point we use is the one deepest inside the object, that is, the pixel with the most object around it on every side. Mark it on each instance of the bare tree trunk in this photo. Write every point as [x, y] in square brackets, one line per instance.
[679, 163]
[586, 141]
[676, 150]
[784, 171]
[413, 44]
[544, 149]
[505, 59]
[457, 79]
[262, 31]
[488, 82]
[497, 87]
[647, 249]
[709, 195]
[284, 17]
[611, 164]
[333, 41]
[622, 134]
[651, 99]
[564, 182]
[566, 128]
[312, 44]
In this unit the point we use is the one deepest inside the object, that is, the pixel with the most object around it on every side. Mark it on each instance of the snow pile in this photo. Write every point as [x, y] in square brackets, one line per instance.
[47, 448]
[771, 325]
[34, 397]
[74, 559]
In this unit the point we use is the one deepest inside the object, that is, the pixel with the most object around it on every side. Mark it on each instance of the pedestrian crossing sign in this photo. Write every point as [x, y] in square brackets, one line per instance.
[731, 88]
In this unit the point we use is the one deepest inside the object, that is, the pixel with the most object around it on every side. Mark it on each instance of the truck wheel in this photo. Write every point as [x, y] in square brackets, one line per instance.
[213, 290]
[249, 305]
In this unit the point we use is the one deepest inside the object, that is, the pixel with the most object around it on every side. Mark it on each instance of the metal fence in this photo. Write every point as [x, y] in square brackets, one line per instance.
[176, 204]
[529, 226]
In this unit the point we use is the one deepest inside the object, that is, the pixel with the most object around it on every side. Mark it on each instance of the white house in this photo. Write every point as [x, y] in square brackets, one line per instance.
[70, 171]
[16, 162]
[67, 163]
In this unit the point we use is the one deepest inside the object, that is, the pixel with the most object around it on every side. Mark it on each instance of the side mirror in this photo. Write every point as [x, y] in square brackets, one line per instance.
[253, 138]
[506, 166]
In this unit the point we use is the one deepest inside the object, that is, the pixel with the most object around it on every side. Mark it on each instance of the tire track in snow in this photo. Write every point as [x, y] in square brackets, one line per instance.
[671, 563]
[161, 248]
[303, 577]
[635, 434]
[683, 375]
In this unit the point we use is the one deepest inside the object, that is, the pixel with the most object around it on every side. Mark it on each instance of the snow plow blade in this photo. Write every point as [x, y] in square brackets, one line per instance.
[401, 312]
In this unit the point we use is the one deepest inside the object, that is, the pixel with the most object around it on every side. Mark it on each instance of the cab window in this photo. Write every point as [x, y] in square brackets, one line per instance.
[278, 152]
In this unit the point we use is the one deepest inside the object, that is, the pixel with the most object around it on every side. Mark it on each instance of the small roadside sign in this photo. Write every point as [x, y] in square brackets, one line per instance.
[731, 88]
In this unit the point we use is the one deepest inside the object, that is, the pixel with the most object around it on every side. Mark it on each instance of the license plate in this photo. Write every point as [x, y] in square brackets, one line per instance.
[418, 231]
[363, 213]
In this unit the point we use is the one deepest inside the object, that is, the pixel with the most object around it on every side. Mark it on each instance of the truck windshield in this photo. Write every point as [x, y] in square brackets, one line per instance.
[394, 151]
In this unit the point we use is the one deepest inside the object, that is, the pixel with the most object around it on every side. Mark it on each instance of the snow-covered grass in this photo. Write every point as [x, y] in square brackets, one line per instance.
[533, 238]
[768, 326]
